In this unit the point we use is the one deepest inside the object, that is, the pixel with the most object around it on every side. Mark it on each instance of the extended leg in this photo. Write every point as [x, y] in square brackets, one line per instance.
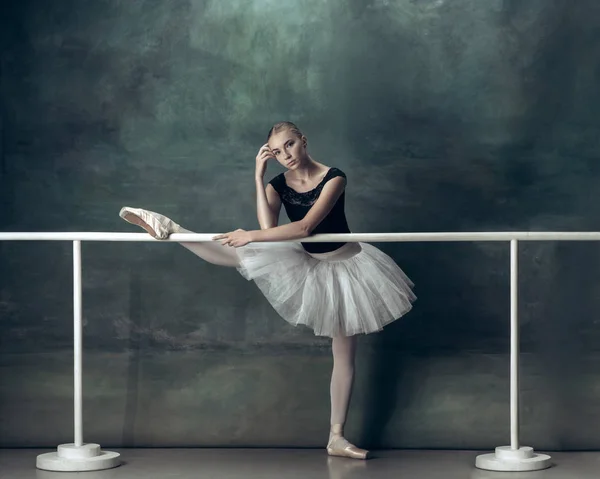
[161, 227]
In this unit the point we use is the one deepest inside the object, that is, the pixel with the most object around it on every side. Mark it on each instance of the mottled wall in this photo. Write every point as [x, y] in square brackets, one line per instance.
[461, 115]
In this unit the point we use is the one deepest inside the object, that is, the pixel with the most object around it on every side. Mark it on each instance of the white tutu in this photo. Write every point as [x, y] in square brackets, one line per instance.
[352, 290]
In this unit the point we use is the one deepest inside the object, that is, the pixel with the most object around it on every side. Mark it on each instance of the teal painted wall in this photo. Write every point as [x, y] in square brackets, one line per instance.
[446, 116]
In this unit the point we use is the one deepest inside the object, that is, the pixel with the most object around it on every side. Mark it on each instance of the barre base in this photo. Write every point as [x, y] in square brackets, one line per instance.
[509, 460]
[72, 458]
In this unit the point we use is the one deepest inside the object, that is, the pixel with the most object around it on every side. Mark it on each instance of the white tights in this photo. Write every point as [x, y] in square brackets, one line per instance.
[212, 251]
[342, 378]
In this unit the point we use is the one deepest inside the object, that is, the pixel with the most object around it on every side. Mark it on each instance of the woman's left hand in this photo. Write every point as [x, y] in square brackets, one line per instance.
[235, 238]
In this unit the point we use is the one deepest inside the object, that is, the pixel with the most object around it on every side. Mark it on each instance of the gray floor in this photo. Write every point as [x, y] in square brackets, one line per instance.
[301, 464]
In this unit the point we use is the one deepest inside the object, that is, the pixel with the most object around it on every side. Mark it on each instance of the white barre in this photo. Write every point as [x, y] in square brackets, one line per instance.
[325, 238]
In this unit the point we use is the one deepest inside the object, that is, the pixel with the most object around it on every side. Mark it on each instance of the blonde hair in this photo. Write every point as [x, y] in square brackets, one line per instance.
[284, 125]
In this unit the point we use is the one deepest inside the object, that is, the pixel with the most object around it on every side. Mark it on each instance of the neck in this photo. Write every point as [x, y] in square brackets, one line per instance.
[308, 169]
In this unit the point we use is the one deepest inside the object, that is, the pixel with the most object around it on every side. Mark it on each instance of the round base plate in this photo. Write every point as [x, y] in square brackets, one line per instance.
[53, 462]
[508, 460]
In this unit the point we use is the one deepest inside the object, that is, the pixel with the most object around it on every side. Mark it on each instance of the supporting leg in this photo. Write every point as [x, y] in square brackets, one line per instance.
[342, 377]
[342, 380]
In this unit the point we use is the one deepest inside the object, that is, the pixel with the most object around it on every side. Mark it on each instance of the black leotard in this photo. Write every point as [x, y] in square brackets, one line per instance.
[298, 204]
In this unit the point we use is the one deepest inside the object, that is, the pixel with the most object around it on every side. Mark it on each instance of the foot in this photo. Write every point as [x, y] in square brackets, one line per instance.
[339, 446]
[157, 225]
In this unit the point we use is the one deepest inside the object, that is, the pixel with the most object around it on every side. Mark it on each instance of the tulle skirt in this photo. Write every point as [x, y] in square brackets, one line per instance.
[356, 289]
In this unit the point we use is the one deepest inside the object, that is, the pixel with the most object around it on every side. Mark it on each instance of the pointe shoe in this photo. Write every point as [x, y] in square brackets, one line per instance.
[157, 225]
[339, 446]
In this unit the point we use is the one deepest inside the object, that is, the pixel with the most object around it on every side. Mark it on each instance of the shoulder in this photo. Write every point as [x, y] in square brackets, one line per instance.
[278, 182]
[334, 173]
[330, 181]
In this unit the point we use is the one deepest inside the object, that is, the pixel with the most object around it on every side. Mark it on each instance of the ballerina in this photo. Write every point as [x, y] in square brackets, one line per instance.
[339, 290]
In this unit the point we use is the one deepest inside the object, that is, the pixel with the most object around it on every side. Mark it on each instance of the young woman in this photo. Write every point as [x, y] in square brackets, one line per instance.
[339, 290]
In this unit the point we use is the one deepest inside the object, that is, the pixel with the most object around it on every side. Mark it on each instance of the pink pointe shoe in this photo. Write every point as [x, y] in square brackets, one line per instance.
[157, 225]
[339, 446]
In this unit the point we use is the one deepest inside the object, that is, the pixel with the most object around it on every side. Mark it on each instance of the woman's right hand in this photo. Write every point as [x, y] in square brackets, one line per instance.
[261, 160]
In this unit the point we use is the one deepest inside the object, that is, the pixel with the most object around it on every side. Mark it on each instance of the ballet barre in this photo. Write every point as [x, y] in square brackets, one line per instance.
[323, 238]
[80, 456]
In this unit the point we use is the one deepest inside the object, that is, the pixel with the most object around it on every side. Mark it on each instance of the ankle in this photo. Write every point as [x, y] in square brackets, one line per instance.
[336, 430]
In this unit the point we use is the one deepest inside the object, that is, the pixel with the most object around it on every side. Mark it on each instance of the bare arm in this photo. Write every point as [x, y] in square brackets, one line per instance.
[268, 205]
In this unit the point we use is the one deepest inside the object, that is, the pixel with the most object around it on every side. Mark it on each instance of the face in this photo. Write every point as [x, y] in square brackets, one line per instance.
[288, 149]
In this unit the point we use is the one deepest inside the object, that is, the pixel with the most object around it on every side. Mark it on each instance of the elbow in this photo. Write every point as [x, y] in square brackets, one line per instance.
[264, 225]
[305, 229]
[268, 225]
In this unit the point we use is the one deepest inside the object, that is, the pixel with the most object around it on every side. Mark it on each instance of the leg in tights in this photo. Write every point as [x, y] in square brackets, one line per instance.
[212, 251]
[158, 225]
[342, 379]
